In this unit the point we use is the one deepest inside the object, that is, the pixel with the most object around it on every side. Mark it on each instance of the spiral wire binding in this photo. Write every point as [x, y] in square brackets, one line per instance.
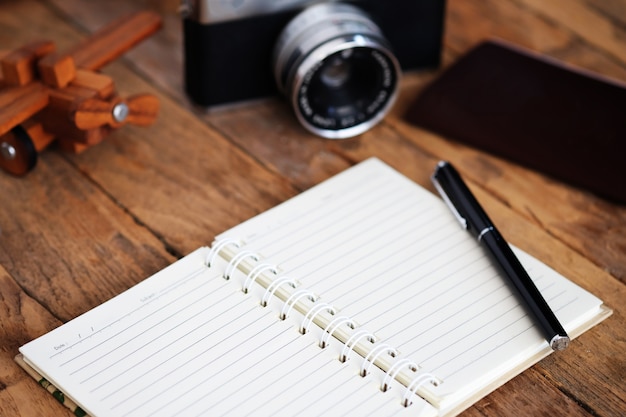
[217, 247]
[375, 353]
[332, 326]
[284, 312]
[310, 315]
[271, 289]
[353, 340]
[415, 385]
[394, 369]
[256, 272]
[237, 259]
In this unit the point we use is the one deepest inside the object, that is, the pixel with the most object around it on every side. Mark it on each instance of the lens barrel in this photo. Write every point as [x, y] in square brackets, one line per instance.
[336, 68]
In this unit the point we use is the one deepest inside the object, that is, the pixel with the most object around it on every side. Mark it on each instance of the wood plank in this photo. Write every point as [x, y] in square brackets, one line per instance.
[471, 21]
[596, 26]
[22, 318]
[67, 243]
[179, 177]
[521, 394]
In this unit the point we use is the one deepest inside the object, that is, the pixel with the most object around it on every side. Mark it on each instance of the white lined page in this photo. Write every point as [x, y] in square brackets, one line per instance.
[188, 342]
[389, 254]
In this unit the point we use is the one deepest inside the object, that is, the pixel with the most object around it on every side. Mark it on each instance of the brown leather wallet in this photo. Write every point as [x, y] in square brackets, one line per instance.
[564, 122]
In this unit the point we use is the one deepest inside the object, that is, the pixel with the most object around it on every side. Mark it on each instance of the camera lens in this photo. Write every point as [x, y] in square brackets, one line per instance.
[336, 68]
[336, 72]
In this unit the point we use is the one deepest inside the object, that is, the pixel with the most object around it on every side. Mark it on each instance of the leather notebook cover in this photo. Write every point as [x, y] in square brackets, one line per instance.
[564, 122]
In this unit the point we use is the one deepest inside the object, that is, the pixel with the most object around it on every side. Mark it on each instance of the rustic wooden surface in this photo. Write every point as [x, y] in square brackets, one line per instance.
[80, 229]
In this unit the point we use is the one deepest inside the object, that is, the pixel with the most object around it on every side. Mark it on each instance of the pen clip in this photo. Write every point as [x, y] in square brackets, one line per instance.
[448, 202]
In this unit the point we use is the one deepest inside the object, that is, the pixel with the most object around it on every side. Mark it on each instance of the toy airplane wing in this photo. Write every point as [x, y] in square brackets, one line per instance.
[20, 103]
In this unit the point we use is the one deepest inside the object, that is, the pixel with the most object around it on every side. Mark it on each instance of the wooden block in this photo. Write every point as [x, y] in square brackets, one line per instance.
[70, 146]
[62, 100]
[40, 138]
[57, 117]
[19, 103]
[65, 100]
[102, 84]
[57, 70]
[113, 40]
[18, 67]
[57, 120]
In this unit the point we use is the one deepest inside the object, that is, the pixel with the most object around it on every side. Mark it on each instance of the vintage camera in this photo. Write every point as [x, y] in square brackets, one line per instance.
[338, 62]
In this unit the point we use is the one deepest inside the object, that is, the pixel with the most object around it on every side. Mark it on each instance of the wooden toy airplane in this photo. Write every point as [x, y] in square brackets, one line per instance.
[47, 96]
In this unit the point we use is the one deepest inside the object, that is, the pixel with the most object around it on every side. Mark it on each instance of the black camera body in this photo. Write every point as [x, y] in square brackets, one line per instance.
[230, 60]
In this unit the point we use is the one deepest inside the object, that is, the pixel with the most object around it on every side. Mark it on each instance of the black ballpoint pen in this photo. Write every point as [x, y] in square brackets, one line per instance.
[472, 217]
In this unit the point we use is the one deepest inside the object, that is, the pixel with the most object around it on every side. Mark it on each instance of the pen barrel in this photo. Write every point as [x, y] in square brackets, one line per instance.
[460, 199]
[509, 265]
[472, 217]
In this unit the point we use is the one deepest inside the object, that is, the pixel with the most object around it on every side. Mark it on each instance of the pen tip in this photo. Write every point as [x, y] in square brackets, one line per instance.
[559, 342]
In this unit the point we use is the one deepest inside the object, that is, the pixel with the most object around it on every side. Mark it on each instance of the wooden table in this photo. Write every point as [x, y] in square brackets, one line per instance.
[80, 229]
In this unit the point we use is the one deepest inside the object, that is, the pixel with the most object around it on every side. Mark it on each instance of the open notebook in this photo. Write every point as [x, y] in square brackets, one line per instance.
[360, 296]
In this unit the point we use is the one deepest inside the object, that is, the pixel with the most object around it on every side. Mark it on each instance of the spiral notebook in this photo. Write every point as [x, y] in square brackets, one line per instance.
[361, 296]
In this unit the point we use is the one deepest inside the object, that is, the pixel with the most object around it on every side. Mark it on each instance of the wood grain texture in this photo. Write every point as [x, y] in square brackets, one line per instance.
[21, 318]
[19, 66]
[56, 70]
[79, 229]
[114, 39]
[17, 104]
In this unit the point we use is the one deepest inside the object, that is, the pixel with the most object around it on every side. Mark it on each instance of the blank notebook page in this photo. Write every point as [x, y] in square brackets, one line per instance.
[390, 254]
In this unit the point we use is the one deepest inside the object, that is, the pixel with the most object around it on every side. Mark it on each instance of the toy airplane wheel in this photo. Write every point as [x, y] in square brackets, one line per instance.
[17, 152]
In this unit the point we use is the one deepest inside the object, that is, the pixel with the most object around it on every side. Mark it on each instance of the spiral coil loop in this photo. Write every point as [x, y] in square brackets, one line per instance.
[370, 358]
[332, 326]
[237, 259]
[217, 247]
[353, 340]
[256, 272]
[271, 289]
[310, 316]
[394, 369]
[293, 299]
[415, 385]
